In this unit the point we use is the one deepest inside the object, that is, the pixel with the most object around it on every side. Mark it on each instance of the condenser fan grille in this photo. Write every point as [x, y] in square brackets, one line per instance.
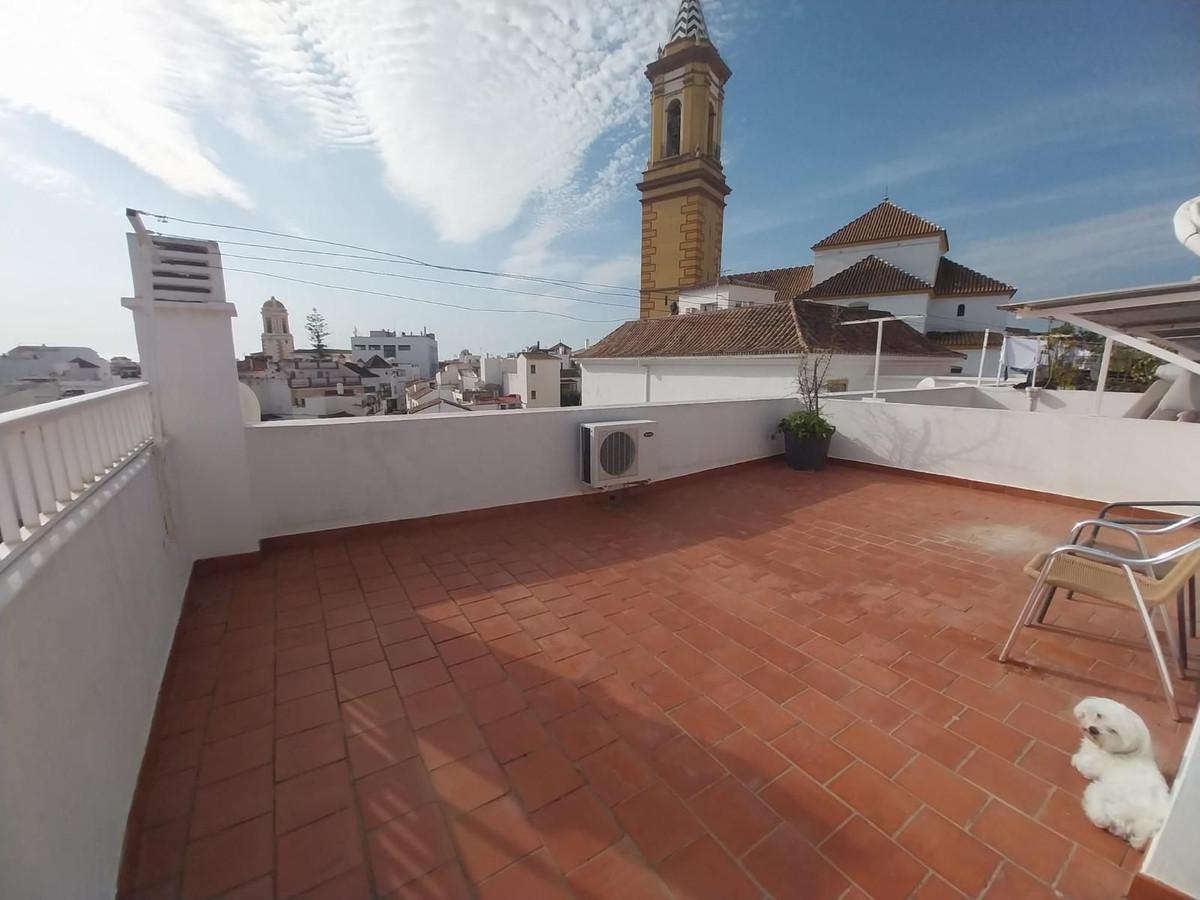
[618, 453]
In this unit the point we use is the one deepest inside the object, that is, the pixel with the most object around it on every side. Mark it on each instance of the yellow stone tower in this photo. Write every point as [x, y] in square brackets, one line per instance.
[683, 188]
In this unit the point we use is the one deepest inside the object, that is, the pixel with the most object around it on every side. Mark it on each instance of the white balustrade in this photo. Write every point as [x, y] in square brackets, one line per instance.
[53, 453]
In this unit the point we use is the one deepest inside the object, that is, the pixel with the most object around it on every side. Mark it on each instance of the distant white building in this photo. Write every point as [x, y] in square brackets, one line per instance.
[420, 350]
[32, 374]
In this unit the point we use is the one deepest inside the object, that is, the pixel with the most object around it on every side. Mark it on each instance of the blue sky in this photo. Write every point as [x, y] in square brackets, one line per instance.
[1052, 140]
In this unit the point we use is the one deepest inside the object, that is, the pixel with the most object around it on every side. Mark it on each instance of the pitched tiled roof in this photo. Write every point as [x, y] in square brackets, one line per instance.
[788, 283]
[870, 276]
[973, 340]
[954, 279]
[764, 330]
[885, 222]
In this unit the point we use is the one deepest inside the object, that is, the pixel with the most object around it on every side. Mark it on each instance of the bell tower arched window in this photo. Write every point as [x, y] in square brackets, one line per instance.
[674, 126]
[962, 310]
[714, 149]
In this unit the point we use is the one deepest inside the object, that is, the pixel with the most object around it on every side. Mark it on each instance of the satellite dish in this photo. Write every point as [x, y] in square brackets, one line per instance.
[926, 383]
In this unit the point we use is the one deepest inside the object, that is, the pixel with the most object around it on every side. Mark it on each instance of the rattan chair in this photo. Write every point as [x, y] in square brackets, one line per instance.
[1133, 579]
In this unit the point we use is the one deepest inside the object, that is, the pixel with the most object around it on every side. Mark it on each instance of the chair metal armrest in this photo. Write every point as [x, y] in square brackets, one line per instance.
[1097, 524]
[1142, 504]
[1126, 562]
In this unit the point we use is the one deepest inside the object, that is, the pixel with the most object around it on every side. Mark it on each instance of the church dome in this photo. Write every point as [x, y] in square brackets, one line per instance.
[273, 305]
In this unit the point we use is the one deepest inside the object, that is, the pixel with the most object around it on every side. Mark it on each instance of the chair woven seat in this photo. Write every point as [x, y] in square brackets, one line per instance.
[1107, 581]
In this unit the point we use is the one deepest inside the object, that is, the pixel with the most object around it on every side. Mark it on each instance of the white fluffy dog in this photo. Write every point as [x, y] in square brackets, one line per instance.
[1128, 794]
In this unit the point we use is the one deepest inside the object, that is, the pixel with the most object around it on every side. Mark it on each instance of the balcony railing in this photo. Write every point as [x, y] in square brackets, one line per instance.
[52, 454]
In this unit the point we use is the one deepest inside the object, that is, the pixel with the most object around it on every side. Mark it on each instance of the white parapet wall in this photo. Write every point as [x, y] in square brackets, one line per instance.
[1171, 858]
[312, 475]
[87, 615]
[941, 432]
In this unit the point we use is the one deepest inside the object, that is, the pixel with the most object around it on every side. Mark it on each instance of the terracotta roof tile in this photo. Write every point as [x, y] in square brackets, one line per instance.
[788, 283]
[955, 279]
[885, 222]
[870, 276]
[765, 330]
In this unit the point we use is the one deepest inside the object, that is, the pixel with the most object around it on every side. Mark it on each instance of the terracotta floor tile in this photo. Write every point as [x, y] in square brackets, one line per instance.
[371, 711]
[581, 732]
[169, 797]
[814, 753]
[514, 735]
[315, 853]
[555, 698]
[229, 858]
[1030, 845]
[1024, 791]
[351, 634]
[310, 749]
[704, 720]
[616, 772]
[381, 747]
[776, 683]
[420, 676]
[985, 731]
[409, 846]
[405, 653]
[492, 837]
[534, 876]
[810, 808]
[398, 631]
[1088, 877]
[303, 682]
[238, 717]
[702, 870]
[477, 673]
[542, 776]
[959, 858]
[735, 815]
[433, 704]
[395, 791]
[667, 689]
[225, 758]
[1013, 883]
[448, 740]
[658, 822]
[762, 716]
[576, 827]
[244, 796]
[788, 866]
[874, 747]
[934, 740]
[495, 701]
[950, 794]
[161, 852]
[686, 766]
[304, 713]
[446, 882]
[818, 712]
[469, 782]
[1063, 813]
[874, 797]
[311, 796]
[750, 760]
[877, 864]
[620, 871]
[364, 680]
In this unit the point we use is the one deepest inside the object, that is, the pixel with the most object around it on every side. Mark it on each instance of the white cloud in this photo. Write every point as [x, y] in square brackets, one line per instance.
[21, 167]
[474, 107]
[1081, 254]
[124, 74]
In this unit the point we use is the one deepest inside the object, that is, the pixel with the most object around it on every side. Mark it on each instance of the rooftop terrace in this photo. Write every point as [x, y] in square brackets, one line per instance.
[746, 683]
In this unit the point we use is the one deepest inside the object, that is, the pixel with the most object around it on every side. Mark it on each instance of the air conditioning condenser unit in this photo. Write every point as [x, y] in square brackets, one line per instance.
[617, 453]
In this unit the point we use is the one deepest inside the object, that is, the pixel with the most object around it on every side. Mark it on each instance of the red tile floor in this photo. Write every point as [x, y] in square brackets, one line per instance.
[751, 683]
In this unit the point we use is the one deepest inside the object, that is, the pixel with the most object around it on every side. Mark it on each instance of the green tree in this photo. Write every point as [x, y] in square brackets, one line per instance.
[318, 331]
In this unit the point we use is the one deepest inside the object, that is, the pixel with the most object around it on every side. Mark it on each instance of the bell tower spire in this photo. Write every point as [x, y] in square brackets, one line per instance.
[683, 188]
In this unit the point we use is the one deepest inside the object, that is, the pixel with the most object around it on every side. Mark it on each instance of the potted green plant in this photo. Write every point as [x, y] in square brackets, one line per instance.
[807, 434]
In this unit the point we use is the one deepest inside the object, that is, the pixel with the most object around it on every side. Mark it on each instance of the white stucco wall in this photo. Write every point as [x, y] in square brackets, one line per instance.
[725, 296]
[87, 615]
[609, 382]
[1089, 457]
[897, 305]
[541, 377]
[918, 256]
[1171, 858]
[980, 313]
[540, 449]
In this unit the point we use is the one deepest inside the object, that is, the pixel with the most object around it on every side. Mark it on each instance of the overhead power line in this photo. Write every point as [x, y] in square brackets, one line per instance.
[424, 300]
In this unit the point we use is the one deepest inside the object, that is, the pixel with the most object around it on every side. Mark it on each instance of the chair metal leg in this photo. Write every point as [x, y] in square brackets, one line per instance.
[1181, 631]
[1026, 611]
[1045, 607]
[1192, 603]
[1174, 641]
[1160, 661]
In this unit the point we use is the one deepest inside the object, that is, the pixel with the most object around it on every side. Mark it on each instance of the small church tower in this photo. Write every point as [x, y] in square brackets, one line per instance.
[277, 340]
[683, 188]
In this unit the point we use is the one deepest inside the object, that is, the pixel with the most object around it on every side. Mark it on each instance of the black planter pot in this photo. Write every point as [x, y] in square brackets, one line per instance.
[806, 454]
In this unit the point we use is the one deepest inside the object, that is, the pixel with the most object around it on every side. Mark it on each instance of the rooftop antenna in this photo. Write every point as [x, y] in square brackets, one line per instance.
[886, 194]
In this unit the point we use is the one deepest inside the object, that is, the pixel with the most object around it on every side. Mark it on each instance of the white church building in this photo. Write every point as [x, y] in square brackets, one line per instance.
[728, 339]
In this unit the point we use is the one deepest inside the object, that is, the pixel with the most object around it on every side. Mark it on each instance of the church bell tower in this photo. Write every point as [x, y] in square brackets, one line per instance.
[683, 188]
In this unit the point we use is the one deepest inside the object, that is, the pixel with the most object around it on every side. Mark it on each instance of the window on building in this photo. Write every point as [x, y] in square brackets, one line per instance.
[373, 347]
[713, 149]
[533, 368]
[389, 349]
[956, 370]
[533, 395]
[708, 307]
[674, 125]
[837, 385]
[962, 310]
[404, 348]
